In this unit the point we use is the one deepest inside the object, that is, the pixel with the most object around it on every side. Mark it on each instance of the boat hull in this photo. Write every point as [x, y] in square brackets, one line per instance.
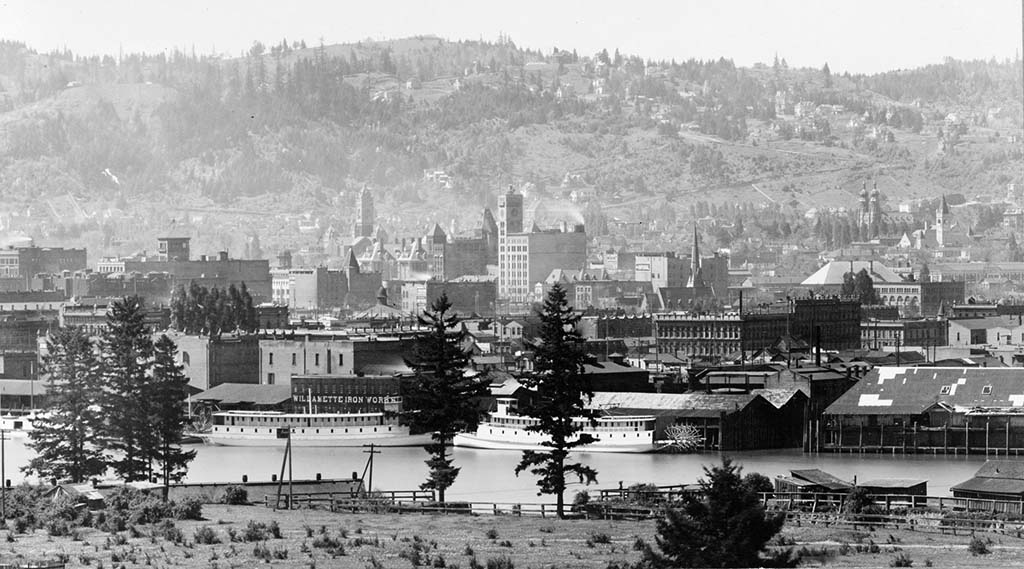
[299, 440]
[642, 444]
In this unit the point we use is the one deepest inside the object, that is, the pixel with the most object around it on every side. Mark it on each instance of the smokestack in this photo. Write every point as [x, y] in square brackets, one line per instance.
[817, 345]
[741, 302]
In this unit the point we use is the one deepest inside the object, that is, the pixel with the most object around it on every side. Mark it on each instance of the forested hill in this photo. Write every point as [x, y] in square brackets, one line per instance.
[440, 125]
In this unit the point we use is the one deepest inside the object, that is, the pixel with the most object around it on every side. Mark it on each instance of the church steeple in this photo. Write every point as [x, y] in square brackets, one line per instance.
[696, 280]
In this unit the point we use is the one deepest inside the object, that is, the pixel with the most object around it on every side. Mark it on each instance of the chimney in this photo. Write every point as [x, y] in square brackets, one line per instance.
[564, 226]
[223, 255]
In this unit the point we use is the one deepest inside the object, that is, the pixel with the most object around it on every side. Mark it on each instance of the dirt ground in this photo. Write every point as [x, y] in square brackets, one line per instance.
[310, 539]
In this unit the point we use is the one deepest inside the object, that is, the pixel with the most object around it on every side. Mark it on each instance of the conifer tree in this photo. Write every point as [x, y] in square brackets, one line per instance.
[562, 391]
[724, 525]
[169, 390]
[126, 355]
[66, 437]
[440, 398]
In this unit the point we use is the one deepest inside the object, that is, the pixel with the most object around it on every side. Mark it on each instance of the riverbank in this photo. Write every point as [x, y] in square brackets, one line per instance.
[316, 538]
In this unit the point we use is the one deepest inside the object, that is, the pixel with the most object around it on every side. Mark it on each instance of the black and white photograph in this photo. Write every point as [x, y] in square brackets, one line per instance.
[520, 285]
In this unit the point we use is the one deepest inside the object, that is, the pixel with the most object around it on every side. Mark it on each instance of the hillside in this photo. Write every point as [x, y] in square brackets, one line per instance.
[104, 151]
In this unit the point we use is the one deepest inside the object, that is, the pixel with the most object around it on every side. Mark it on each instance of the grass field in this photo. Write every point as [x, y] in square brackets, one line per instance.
[313, 538]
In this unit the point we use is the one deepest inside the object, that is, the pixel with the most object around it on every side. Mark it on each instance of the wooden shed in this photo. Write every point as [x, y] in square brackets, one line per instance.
[896, 486]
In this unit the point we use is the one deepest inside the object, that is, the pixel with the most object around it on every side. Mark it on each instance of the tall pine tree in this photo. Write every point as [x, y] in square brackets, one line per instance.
[169, 392]
[67, 435]
[562, 391]
[441, 400]
[126, 355]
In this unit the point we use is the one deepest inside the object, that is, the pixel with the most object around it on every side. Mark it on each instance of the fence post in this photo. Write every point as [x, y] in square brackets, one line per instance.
[543, 514]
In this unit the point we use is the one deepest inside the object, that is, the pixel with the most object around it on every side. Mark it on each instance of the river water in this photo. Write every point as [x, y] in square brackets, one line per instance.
[488, 475]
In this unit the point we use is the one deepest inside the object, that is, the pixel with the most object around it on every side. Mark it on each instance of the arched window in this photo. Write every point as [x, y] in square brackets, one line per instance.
[185, 359]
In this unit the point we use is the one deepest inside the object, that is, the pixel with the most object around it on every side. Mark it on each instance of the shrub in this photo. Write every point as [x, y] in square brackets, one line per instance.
[254, 532]
[58, 528]
[502, 562]
[188, 508]
[170, 532]
[492, 534]
[901, 560]
[600, 538]
[206, 535]
[235, 496]
[580, 500]
[978, 546]
[325, 541]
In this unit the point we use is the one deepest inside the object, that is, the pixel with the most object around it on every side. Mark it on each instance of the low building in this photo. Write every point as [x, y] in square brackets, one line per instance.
[895, 486]
[995, 480]
[725, 421]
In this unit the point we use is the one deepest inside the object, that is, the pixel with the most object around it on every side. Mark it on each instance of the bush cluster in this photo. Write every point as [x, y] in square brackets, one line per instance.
[29, 508]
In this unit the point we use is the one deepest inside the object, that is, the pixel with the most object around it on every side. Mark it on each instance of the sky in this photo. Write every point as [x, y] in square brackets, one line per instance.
[859, 36]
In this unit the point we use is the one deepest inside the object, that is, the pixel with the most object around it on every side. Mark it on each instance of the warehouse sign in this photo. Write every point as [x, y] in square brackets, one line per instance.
[349, 399]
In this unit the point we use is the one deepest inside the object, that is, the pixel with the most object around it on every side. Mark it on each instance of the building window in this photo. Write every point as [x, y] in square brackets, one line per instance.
[295, 359]
[341, 359]
[271, 358]
[185, 358]
[987, 390]
[316, 359]
[944, 390]
[270, 379]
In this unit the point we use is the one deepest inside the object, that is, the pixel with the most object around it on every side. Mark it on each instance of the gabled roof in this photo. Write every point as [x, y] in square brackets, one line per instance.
[821, 478]
[912, 391]
[832, 273]
[996, 477]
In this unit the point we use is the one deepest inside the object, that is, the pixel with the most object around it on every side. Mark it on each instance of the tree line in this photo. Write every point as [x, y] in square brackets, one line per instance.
[117, 401]
[212, 312]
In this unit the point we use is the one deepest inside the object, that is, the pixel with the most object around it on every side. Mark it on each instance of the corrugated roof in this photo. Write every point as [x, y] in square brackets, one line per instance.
[909, 391]
[688, 404]
[247, 393]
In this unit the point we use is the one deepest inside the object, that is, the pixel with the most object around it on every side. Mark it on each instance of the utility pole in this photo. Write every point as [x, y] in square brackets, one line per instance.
[3, 473]
[369, 465]
[285, 433]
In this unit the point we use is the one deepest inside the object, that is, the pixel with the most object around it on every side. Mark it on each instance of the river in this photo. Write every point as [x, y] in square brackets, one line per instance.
[488, 475]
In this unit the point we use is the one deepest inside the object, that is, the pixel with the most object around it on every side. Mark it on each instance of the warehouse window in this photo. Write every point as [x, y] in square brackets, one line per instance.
[987, 390]
[944, 390]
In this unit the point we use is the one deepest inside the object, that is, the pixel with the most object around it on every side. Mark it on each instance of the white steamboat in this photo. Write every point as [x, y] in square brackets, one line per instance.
[505, 429]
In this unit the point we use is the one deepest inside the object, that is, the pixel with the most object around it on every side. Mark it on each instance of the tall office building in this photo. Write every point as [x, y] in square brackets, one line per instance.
[366, 215]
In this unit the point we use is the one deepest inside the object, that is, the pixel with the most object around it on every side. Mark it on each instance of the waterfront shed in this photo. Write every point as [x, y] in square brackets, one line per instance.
[822, 479]
[727, 421]
[995, 480]
[896, 486]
